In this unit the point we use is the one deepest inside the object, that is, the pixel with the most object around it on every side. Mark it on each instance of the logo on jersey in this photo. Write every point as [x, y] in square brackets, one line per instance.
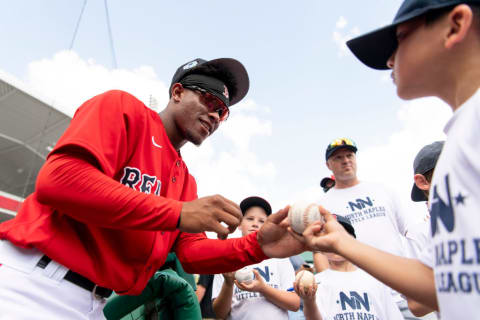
[360, 204]
[443, 210]
[360, 210]
[191, 64]
[155, 144]
[225, 92]
[355, 301]
[264, 273]
[133, 178]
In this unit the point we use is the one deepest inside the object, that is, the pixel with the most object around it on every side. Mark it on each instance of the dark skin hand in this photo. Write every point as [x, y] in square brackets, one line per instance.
[274, 238]
[207, 213]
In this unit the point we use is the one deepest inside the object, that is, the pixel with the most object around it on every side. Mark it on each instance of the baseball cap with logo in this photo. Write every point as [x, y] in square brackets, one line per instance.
[340, 143]
[327, 183]
[225, 78]
[249, 202]
[425, 160]
[376, 47]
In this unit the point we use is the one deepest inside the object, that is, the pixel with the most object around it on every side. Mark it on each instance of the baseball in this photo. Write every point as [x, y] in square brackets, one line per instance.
[305, 278]
[302, 214]
[244, 275]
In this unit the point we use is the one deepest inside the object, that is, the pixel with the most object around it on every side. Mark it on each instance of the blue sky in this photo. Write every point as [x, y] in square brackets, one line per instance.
[305, 89]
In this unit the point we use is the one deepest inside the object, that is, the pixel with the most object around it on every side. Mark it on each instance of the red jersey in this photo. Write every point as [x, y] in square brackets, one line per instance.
[109, 197]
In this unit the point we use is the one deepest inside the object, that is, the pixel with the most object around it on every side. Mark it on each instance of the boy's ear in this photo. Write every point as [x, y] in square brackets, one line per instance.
[421, 182]
[328, 165]
[460, 20]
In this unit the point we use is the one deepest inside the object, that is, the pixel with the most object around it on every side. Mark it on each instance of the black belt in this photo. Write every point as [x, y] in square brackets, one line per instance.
[79, 280]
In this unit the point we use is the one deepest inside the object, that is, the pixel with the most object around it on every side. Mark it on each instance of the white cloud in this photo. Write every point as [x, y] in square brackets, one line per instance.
[341, 36]
[341, 22]
[69, 80]
[232, 168]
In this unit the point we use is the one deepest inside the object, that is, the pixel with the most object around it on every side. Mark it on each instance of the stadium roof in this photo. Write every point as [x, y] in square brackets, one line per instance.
[29, 128]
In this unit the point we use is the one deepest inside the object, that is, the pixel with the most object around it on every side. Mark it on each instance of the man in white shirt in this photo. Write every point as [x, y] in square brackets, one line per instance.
[374, 210]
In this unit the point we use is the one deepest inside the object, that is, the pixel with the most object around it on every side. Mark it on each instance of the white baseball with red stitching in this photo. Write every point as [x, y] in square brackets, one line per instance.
[305, 278]
[302, 214]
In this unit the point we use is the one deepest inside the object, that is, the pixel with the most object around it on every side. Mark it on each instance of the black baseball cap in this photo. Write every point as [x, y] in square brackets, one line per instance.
[249, 202]
[327, 183]
[376, 47]
[425, 160]
[229, 71]
[340, 143]
[345, 222]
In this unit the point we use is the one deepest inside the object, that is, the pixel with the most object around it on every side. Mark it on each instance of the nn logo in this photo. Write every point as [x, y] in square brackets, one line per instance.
[442, 210]
[360, 204]
[264, 273]
[355, 301]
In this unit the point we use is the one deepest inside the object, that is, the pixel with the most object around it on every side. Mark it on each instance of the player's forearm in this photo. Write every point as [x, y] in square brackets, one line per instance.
[418, 309]
[201, 255]
[223, 303]
[310, 310]
[408, 276]
[282, 299]
[74, 186]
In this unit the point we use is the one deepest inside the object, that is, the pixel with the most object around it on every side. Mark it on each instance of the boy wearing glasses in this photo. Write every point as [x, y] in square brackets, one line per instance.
[433, 49]
[115, 197]
[376, 212]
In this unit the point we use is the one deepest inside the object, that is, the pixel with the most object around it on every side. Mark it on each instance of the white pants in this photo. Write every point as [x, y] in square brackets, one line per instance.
[30, 292]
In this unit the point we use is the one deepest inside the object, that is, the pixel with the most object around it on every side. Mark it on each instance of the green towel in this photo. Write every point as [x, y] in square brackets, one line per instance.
[166, 296]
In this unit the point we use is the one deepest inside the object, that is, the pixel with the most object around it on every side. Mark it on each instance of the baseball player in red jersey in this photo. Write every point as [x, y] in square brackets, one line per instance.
[115, 197]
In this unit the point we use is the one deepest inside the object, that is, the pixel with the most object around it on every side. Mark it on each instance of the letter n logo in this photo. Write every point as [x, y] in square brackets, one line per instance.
[264, 273]
[360, 204]
[355, 301]
[442, 210]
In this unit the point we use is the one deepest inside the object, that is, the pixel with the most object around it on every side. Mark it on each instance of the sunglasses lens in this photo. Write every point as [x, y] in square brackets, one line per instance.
[213, 103]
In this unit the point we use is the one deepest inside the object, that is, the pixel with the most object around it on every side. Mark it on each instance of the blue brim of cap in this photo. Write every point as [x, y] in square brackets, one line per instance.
[329, 153]
[249, 202]
[375, 48]
[417, 195]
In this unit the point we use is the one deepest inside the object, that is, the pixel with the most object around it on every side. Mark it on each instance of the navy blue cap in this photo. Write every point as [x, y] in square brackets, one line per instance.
[425, 160]
[249, 202]
[376, 47]
[340, 143]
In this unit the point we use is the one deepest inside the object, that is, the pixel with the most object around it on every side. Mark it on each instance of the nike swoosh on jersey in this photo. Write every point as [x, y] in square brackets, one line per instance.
[155, 144]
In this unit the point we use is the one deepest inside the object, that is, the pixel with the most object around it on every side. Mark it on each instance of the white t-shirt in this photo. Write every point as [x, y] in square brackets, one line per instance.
[354, 295]
[418, 238]
[374, 211]
[455, 216]
[277, 273]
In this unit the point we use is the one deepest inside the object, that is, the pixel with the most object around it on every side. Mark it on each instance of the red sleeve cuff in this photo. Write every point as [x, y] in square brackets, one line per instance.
[257, 253]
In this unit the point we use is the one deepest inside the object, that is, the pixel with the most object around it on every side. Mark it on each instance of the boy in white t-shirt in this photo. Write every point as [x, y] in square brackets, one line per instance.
[266, 296]
[418, 235]
[346, 292]
[433, 49]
